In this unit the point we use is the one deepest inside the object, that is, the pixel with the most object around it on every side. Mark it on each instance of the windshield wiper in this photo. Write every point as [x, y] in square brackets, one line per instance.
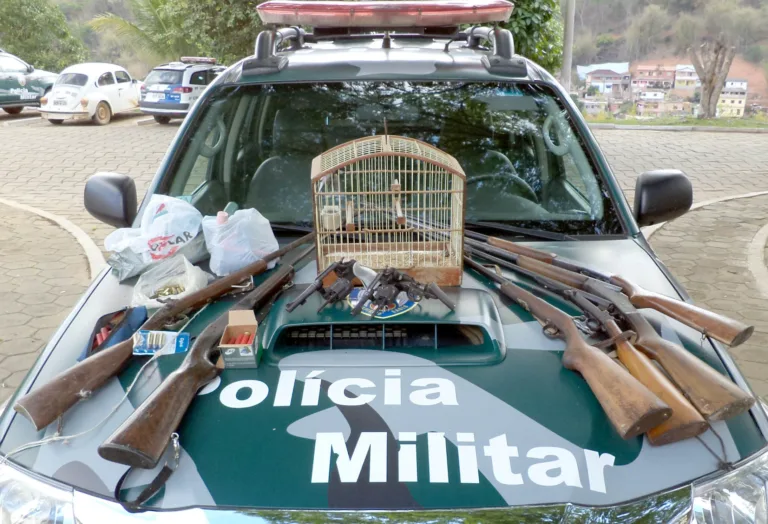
[290, 228]
[515, 230]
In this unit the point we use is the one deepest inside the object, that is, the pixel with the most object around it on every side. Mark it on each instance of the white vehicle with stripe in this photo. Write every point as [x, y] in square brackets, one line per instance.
[95, 91]
[171, 89]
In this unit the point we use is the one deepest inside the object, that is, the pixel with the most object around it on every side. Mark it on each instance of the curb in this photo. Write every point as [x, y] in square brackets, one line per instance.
[650, 230]
[22, 121]
[756, 259]
[680, 129]
[96, 261]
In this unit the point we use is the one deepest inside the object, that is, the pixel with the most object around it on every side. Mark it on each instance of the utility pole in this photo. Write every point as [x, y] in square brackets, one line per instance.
[570, 20]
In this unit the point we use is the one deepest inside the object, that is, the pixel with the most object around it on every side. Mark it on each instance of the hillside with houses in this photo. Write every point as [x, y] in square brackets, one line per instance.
[658, 88]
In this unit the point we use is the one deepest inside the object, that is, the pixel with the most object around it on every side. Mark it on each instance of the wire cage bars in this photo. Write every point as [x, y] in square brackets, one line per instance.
[390, 201]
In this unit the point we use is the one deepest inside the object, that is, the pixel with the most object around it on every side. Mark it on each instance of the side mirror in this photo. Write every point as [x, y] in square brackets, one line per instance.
[30, 68]
[662, 195]
[111, 197]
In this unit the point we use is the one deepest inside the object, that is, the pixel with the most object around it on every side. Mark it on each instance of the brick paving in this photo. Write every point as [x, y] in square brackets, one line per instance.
[46, 167]
[43, 272]
[706, 250]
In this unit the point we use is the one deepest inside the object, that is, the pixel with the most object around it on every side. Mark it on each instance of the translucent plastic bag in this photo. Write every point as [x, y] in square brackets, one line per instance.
[243, 239]
[167, 225]
[175, 277]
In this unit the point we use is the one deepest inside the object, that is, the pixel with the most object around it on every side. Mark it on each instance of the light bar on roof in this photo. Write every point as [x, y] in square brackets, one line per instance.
[198, 60]
[384, 14]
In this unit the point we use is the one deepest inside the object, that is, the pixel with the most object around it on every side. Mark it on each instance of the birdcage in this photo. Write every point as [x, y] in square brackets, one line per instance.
[390, 201]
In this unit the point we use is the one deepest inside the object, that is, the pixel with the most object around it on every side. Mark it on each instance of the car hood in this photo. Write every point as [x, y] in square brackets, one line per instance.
[39, 73]
[501, 425]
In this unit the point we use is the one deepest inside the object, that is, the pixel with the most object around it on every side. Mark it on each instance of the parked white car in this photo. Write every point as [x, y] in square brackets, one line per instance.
[90, 91]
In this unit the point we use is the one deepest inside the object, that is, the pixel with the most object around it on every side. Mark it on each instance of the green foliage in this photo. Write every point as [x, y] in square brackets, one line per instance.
[606, 40]
[647, 31]
[728, 21]
[37, 32]
[593, 91]
[155, 30]
[584, 49]
[225, 29]
[537, 26]
[755, 53]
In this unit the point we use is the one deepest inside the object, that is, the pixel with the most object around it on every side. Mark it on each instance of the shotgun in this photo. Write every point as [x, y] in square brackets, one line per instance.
[726, 330]
[141, 440]
[630, 406]
[685, 421]
[48, 402]
[713, 394]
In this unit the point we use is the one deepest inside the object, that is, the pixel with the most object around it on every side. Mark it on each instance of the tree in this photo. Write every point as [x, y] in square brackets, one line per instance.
[647, 31]
[225, 29]
[37, 32]
[712, 39]
[585, 49]
[156, 30]
[537, 26]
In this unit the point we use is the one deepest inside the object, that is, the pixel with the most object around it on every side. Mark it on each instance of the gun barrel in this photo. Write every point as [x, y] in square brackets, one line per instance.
[435, 290]
[51, 400]
[721, 328]
[141, 440]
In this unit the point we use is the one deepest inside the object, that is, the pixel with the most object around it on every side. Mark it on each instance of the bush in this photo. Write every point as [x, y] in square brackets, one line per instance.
[754, 53]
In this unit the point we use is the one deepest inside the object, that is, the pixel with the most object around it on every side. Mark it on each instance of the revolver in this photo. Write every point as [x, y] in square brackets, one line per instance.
[390, 283]
[337, 291]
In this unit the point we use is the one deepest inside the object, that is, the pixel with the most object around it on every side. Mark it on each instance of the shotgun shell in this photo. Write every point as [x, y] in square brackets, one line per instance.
[250, 339]
[241, 339]
[99, 339]
[104, 332]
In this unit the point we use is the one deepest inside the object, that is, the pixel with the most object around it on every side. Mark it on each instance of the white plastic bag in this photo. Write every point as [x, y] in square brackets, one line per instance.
[167, 225]
[243, 239]
[126, 264]
[175, 271]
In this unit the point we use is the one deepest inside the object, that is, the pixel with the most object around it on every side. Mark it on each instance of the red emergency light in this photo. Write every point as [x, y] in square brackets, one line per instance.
[384, 14]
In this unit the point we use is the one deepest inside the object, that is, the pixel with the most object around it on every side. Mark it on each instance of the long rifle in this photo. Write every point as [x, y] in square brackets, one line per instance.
[141, 440]
[685, 421]
[630, 406]
[51, 400]
[719, 327]
[713, 395]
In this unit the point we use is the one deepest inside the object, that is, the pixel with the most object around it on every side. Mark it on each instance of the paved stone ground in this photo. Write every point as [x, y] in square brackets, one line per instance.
[43, 272]
[707, 251]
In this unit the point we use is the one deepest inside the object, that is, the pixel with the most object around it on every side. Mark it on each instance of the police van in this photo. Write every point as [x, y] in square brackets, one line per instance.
[171, 89]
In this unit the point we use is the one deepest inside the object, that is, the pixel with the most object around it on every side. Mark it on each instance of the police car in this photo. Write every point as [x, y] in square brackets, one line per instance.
[21, 84]
[171, 89]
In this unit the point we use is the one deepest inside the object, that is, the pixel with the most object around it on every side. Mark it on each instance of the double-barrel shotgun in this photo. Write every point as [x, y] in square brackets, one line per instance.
[51, 400]
[631, 407]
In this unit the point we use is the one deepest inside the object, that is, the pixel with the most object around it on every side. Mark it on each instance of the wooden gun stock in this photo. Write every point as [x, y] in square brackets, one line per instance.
[726, 330]
[141, 440]
[713, 395]
[51, 400]
[721, 328]
[685, 421]
[630, 406]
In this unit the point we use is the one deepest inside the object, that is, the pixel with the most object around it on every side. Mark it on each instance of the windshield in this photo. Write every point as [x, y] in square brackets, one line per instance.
[524, 163]
[72, 79]
[164, 77]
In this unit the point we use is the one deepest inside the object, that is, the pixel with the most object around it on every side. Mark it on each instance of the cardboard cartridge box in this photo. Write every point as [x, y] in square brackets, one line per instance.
[239, 345]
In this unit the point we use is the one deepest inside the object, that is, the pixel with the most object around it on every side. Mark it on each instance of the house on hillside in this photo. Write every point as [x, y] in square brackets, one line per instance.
[733, 98]
[653, 76]
[651, 103]
[686, 80]
[608, 82]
